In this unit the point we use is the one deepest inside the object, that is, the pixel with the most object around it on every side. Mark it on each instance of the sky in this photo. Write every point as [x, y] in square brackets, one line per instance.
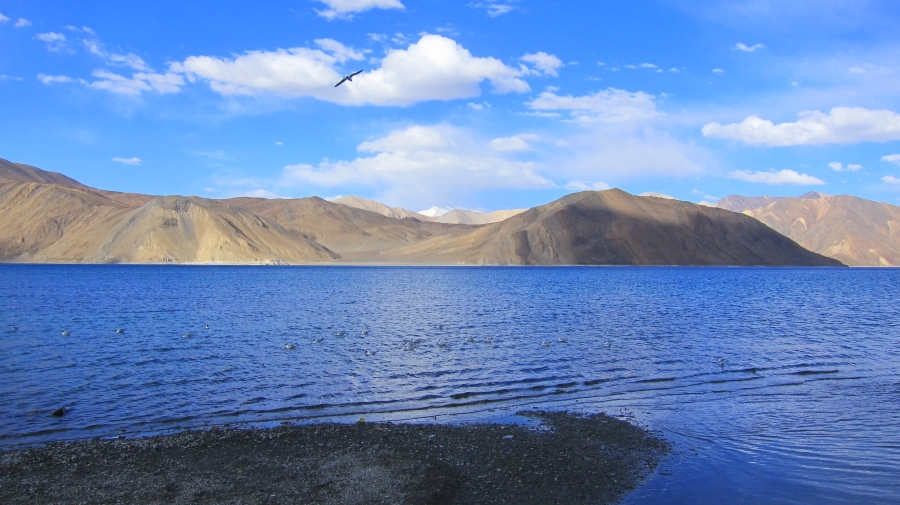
[483, 104]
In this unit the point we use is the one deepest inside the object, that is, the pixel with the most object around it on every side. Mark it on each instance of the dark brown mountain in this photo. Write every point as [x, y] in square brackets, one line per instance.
[615, 228]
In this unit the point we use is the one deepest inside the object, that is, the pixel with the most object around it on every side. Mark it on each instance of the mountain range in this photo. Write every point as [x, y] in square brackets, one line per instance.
[853, 230]
[48, 217]
[434, 214]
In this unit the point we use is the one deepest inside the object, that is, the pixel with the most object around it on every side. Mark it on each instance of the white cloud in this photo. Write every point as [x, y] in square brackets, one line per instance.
[137, 83]
[475, 106]
[50, 79]
[587, 186]
[128, 161]
[279, 143]
[130, 60]
[422, 163]
[608, 106]
[55, 41]
[718, 71]
[434, 68]
[776, 178]
[3, 19]
[890, 179]
[837, 166]
[22, 23]
[648, 65]
[513, 144]
[674, 70]
[546, 64]
[495, 8]
[844, 125]
[345, 9]
[749, 49]
[892, 158]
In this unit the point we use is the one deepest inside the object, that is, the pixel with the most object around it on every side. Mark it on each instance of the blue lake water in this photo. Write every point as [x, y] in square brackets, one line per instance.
[806, 408]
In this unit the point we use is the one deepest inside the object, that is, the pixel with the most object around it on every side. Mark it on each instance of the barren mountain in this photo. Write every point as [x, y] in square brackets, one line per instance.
[615, 228]
[855, 231]
[351, 232]
[48, 217]
[472, 217]
[379, 208]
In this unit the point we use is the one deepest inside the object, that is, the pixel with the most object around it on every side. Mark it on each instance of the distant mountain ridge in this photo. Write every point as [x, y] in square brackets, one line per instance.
[50, 218]
[434, 214]
[855, 231]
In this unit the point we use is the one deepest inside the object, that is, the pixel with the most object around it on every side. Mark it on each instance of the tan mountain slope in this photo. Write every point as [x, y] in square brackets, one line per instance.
[52, 223]
[349, 231]
[462, 216]
[59, 224]
[379, 208]
[615, 228]
[855, 231]
[192, 229]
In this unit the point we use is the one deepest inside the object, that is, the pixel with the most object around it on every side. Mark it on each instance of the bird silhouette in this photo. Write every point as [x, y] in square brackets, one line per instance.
[348, 77]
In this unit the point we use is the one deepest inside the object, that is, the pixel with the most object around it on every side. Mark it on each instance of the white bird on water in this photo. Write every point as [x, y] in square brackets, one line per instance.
[545, 343]
[721, 362]
[489, 340]
[120, 330]
[66, 333]
[15, 328]
[371, 353]
[470, 339]
[441, 343]
[607, 344]
[318, 340]
[348, 78]
[289, 347]
[187, 335]
[364, 332]
[562, 340]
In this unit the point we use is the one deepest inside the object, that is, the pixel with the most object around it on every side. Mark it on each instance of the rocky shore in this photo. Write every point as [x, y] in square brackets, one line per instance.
[572, 459]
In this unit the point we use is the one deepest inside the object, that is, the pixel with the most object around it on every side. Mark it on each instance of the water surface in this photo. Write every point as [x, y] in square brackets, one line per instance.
[805, 409]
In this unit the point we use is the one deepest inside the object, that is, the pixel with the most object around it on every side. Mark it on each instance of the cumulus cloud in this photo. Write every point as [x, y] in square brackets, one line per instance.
[22, 23]
[495, 8]
[421, 163]
[55, 41]
[345, 9]
[3, 19]
[843, 125]
[546, 64]
[514, 143]
[128, 161]
[718, 71]
[890, 179]
[434, 68]
[892, 158]
[587, 186]
[837, 166]
[608, 106]
[50, 79]
[137, 83]
[776, 178]
[749, 49]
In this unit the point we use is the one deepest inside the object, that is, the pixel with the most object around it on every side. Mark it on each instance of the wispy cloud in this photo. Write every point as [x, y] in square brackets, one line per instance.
[54, 41]
[22, 23]
[837, 166]
[345, 9]
[128, 161]
[749, 49]
[776, 178]
[495, 8]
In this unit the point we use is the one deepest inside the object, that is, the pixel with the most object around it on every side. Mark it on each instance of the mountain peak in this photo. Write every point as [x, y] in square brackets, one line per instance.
[435, 211]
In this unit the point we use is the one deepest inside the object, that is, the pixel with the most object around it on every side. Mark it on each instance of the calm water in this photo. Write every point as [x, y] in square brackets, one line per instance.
[806, 408]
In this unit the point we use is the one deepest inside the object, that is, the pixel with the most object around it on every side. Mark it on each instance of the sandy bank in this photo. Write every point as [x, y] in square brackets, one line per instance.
[576, 459]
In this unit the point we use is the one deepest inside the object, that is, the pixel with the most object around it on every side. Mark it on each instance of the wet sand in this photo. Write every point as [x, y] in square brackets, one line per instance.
[572, 459]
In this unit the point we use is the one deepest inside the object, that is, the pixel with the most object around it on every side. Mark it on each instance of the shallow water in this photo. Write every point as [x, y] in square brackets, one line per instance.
[806, 408]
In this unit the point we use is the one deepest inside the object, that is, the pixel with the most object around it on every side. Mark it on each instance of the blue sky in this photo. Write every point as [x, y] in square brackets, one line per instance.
[483, 104]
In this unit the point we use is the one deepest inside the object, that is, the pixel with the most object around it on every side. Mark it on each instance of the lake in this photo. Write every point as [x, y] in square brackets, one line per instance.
[805, 407]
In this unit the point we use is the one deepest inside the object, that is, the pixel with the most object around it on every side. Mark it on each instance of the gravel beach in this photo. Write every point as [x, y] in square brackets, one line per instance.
[572, 459]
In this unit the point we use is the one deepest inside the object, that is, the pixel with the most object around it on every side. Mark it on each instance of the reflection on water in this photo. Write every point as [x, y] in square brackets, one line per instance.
[804, 408]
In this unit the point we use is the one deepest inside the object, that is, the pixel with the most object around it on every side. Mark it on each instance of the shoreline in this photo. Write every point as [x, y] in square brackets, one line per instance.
[571, 458]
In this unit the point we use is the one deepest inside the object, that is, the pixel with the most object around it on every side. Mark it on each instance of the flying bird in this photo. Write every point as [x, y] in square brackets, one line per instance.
[348, 78]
